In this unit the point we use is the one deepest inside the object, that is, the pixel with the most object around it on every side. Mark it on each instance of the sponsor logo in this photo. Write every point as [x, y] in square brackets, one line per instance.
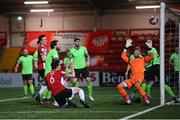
[4, 81]
[111, 79]
[100, 41]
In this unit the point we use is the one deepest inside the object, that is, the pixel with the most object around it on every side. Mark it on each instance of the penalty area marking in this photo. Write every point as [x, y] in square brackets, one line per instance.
[13, 99]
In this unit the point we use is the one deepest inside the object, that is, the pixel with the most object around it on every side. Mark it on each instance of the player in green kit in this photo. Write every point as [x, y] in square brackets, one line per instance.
[174, 60]
[51, 56]
[152, 70]
[67, 62]
[80, 57]
[27, 70]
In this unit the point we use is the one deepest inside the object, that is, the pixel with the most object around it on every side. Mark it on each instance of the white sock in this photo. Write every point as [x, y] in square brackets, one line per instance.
[81, 95]
[43, 87]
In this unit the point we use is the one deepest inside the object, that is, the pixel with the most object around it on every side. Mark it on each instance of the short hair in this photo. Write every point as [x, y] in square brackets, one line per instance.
[53, 43]
[40, 38]
[55, 64]
[75, 39]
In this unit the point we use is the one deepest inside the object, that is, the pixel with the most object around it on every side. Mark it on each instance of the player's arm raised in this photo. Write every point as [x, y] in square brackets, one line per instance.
[124, 54]
[151, 56]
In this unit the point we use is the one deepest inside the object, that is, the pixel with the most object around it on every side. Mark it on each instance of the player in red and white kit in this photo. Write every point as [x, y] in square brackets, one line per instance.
[42, 52]
[58, 87]
[40, 64]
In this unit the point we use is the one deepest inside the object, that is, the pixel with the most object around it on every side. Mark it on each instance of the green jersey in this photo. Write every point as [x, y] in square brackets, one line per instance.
[53, 54]
[175, 59]
[35, 56]
[27, 64]
[66, 59]
[78, 57]
[132, 57]
[156, 59]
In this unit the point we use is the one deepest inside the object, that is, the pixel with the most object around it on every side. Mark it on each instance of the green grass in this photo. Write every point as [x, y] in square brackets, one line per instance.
[108, 105]
[166, 112]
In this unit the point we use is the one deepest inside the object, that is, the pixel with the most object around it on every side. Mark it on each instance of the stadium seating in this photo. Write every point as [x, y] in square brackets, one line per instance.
[9, 59]
[112, 58]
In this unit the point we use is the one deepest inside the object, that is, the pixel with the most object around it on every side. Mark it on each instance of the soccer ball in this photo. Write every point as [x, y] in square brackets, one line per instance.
[153, 20]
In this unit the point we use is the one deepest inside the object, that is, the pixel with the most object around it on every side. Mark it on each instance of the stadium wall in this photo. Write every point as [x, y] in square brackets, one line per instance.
[71, 21]
[85, 20]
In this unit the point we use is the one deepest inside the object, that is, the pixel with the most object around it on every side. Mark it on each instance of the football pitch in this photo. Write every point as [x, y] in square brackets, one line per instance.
[108, 105]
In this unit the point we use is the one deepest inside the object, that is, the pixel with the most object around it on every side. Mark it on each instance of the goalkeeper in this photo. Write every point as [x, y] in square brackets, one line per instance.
[137, 68]
[134, 96]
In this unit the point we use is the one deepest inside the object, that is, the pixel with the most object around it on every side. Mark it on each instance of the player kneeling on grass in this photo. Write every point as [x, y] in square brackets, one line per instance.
[58, 86]
[137, 67]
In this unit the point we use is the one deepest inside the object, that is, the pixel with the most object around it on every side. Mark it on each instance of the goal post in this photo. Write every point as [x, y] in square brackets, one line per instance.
[162, 56]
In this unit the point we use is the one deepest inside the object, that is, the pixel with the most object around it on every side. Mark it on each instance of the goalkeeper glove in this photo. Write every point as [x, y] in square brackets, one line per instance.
[128, 43]
[149, 43]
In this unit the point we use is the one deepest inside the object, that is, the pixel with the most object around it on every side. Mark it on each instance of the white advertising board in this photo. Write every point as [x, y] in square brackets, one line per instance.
[8, 80]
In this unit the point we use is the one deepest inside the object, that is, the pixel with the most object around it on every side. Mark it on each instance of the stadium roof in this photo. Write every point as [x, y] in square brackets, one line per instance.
[71, 5]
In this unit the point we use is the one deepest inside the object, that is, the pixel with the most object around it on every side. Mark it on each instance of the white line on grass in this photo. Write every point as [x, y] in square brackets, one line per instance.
[142, 112]
[64, 111]
[145, 111]
[13, 99]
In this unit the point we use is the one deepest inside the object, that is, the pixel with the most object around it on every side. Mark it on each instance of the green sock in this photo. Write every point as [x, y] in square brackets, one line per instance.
[135, 90]
[44, 94]
[76, 84]
[148, 89]
[169, 91]
[48, 94]
[31, 88]
[136, 94]
[89, 86]
[25, 89]
[143, 86]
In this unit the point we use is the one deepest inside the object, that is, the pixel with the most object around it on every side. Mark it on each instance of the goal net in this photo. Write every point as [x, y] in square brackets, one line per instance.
[169, 52]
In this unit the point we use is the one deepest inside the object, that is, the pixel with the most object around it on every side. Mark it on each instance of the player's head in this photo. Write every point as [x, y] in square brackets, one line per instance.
[55, 44]
[137, 52]
[77, 42]
[42, 39]
[25, 52]
[177, 50]
[55, 64]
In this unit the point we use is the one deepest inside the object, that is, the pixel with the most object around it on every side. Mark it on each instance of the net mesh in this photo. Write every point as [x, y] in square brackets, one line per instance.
[172, 20]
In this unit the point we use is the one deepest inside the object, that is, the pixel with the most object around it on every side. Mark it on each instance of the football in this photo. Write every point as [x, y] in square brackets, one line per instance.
[153, 20]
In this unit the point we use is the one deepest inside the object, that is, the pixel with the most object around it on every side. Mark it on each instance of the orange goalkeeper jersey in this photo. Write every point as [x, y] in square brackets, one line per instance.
[137, 65]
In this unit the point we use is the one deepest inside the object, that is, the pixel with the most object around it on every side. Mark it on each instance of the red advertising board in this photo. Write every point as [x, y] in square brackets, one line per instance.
[98, 41]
